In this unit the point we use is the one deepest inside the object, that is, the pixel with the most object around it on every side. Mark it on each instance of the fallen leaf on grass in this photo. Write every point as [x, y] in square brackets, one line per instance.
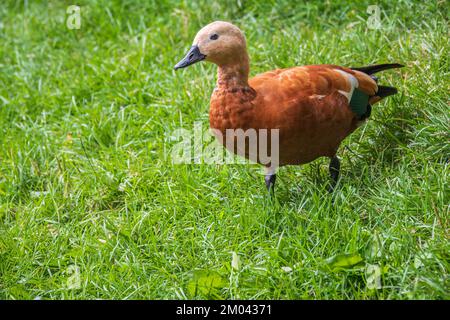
[344, 261]
[205, 282]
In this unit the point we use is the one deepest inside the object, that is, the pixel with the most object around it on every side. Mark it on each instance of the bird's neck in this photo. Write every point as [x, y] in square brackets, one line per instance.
[234, 75]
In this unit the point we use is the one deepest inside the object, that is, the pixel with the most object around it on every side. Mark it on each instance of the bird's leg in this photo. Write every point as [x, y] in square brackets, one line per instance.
[334, 171]
[270, 182]
[270, 178]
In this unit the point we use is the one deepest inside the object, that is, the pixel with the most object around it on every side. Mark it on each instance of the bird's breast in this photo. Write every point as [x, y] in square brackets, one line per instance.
[232, 109]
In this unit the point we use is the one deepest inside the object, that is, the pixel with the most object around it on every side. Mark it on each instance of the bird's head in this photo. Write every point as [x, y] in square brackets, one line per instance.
[219, 42]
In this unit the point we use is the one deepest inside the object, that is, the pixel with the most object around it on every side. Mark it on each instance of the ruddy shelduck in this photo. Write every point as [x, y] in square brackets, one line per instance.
[314, 107]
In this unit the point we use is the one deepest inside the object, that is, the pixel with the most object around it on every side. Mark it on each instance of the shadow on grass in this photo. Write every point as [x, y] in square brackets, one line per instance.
[385, 145]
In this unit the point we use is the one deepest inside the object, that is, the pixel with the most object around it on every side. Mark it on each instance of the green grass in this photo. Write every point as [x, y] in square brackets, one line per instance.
[91, 208]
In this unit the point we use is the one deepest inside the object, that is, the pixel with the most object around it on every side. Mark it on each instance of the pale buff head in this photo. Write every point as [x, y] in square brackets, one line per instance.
[219, 42]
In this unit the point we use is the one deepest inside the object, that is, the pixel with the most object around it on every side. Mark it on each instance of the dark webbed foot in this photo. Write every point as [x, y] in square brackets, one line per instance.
[270, 182]
[334, 172]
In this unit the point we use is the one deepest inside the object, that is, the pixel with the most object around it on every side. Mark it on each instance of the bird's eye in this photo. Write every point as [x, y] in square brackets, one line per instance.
[214, 36]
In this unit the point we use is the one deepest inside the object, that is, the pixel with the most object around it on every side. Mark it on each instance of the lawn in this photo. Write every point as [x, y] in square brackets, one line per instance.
[91, 206]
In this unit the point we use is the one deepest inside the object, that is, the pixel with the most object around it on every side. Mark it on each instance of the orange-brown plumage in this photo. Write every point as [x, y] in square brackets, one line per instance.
[303, 102]
[310, 105]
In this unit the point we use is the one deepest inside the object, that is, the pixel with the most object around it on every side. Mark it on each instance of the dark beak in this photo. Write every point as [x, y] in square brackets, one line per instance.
[191, 57]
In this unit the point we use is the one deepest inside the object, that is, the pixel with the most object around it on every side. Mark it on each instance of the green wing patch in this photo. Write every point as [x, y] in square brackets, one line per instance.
[359, 102]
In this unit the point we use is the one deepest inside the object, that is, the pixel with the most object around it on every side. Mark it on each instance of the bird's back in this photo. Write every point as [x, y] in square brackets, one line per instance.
[310, 80]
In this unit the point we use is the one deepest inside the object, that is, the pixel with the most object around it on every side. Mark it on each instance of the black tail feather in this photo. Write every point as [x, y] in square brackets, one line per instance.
[377, 68]
[385, 91]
